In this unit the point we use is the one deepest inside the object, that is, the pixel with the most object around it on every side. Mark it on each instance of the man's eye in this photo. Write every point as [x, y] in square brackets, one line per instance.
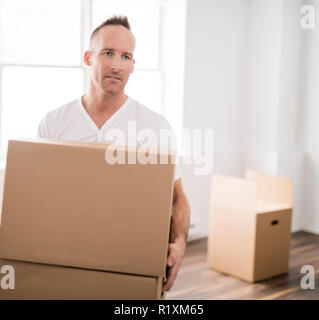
[127, 57]
[107, 53]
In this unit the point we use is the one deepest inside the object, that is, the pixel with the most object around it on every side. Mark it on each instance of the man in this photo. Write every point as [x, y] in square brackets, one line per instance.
[105, 107]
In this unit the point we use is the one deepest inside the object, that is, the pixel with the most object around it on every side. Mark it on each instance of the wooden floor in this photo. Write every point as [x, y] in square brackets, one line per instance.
[196, 281]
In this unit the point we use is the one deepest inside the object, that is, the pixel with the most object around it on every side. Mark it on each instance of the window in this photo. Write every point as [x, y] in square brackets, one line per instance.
[41, 47]
[40, 32]
[28, 92]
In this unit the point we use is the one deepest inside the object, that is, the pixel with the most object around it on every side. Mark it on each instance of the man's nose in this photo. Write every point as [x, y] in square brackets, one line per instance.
[116, 63]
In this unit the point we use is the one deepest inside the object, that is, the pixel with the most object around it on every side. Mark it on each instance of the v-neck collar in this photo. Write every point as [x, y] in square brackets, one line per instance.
[108, 122]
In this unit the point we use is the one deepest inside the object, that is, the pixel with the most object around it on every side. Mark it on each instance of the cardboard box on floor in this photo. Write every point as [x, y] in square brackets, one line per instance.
[35, 281]
[65, 205]
[250, 226]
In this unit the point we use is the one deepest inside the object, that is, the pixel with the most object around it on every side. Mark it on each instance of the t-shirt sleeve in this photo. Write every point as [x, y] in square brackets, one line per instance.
[43, 129]
[177, 173]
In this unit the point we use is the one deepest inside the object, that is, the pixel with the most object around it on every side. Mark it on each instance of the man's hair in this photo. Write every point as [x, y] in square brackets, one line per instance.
[116, 20]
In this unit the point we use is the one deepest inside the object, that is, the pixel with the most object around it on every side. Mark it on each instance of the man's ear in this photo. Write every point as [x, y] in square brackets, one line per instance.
[87, 58]
[133, 66]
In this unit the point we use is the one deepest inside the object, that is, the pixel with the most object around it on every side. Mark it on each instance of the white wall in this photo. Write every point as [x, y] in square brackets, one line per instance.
[310, 129]
[173, 14]
[289, 146]
[246, 77]
[272, 104]
[216, 33]
[262, 84]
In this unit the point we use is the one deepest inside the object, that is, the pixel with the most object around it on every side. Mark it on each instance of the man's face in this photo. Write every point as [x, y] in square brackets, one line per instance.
[111, 59]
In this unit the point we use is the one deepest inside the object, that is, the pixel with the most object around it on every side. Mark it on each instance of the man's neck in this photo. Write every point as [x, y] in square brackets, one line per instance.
[101, 107]
[97, 103]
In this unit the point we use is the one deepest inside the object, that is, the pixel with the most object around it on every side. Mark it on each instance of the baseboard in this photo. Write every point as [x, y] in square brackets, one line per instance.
[197, 232]
[309, 227]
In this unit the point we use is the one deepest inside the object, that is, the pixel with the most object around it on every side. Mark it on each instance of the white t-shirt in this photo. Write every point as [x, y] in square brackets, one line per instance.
[138, 125]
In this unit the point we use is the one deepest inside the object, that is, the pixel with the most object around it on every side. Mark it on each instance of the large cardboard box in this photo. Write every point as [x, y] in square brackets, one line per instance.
[34, 281]
[1, 189]
[250, 226]
[65, 205]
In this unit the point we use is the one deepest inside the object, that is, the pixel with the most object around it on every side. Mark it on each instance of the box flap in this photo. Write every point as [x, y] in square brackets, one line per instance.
[263, 206]
[272, 189]
[233, 193]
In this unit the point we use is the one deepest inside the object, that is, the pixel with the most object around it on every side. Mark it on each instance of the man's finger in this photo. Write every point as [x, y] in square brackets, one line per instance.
[169, 283]
[171, 275]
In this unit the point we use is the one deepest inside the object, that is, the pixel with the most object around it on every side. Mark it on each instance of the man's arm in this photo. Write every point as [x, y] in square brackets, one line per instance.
[178, 235]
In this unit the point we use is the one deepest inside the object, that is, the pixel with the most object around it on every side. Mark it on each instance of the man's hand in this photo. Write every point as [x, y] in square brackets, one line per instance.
[175, 253]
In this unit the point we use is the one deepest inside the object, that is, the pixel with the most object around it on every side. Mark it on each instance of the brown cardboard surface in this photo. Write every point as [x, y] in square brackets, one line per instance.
[230, 250]
[242, 192]
[272, 244]
[64, 205]
[272, 188]
[34, 281]
[1, 189]
[263, 206]
[250, 221]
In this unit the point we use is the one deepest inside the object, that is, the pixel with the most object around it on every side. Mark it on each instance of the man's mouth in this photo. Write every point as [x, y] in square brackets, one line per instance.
[113, 78]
